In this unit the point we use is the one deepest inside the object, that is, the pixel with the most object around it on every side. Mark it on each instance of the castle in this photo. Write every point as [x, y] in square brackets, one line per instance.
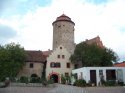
[54, 63]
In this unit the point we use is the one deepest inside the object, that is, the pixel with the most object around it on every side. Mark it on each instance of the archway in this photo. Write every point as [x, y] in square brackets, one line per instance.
[54, 77]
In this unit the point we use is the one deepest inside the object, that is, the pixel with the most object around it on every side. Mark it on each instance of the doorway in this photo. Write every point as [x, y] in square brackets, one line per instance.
[110, 75]
[93, 76]
[54, 77]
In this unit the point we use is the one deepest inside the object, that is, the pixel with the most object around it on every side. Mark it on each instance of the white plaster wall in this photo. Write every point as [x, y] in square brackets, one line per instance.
[86, 71]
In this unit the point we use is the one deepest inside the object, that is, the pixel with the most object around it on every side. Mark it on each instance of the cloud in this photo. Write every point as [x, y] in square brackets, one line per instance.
[97, 2]
[92, 18]
[11, 7]
[6, 33]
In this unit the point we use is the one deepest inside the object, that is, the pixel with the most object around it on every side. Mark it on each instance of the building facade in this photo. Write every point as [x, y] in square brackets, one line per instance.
[58, 62]
[34, 64]
[95, 74]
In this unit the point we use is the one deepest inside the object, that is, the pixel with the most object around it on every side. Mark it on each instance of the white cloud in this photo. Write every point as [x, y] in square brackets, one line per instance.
[106, 20]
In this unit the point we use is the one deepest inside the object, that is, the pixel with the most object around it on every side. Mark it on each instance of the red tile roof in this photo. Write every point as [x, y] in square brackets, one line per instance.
[63, 17]
[47, 53]
[122, 64]
[34, 56]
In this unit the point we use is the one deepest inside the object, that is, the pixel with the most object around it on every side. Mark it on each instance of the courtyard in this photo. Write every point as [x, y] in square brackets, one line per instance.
[59, 88]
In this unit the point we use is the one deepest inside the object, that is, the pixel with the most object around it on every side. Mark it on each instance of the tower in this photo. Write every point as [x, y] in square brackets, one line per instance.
[63, 33]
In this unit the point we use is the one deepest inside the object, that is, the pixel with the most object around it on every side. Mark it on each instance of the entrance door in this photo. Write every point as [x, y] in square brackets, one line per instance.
[54, 77]
[93, 76]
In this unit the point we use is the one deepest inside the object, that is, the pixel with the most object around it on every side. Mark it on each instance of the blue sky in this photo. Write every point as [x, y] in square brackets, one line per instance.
[29, 22]
[11, 7]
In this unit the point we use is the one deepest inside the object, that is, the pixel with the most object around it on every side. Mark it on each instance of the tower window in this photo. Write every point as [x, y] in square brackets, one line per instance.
[59, 26]
[31, 65]
[58, 56]
[60, 47]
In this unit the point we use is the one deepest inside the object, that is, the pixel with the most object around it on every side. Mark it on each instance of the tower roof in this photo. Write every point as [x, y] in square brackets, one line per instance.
[63, 17]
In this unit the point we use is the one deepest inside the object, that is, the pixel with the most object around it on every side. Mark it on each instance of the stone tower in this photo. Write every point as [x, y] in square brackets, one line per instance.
[63, 33]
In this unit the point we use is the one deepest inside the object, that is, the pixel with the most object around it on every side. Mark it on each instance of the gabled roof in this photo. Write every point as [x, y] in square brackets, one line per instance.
[122, 64]
[34, 56]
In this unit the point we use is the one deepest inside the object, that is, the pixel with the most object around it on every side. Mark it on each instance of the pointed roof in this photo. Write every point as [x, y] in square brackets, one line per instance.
[63, 17]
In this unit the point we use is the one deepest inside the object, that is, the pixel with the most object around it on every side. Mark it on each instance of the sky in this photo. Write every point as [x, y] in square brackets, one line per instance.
[29, 22]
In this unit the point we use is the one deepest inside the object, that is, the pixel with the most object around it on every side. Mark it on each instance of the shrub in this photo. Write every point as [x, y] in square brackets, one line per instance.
[63, 79]
[35, 80]
[110, 83]
[80, 83]
[24, 79]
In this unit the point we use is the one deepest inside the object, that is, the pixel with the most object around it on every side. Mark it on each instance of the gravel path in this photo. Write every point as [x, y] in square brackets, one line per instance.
[62, 89]
[25, 90]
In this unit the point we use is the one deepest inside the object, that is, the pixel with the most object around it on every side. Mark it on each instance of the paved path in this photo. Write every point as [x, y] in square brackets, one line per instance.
[62, 89]
[72, 89]
[24, 90]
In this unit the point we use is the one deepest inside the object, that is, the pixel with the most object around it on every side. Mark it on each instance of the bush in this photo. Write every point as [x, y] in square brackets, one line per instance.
[24, 79]
[80, 83]
[35, 80]
[110, 83]
[63, 79]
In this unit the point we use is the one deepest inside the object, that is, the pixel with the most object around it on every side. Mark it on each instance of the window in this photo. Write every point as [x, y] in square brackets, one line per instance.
[100, 72]
[68, 65]
[59, 26]
[57, 64]
[58, 56]
[63, 56]
[31, 65]
[60, 47]
[54, 65]
[66, 74]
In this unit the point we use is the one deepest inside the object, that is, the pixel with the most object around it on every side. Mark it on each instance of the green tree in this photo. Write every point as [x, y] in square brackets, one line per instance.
[12, 59]
[92, 55]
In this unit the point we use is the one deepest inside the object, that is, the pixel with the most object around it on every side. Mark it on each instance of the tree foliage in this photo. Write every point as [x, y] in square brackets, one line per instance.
[12, 58]
[92, 55]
